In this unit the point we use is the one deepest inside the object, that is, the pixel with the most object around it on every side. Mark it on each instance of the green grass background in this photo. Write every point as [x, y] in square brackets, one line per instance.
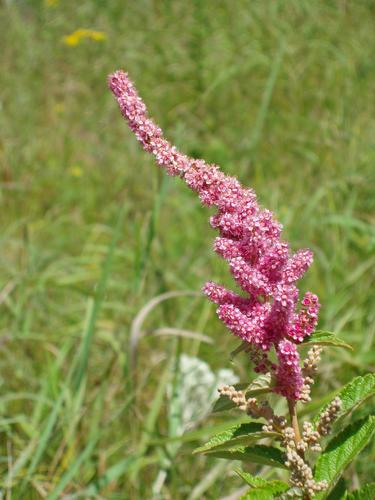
[279, 93]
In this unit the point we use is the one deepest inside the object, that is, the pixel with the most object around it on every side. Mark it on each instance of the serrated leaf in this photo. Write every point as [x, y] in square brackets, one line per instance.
[326, 338]
[353, 394]
[365, 493]
[341, 450]
[259, 484]
[235, 436]
[261, 385]
[258, 454]
[339, 491]
[258, 494]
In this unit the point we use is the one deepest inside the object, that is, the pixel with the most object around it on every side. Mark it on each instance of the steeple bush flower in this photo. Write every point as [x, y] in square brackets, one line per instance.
[250, 240]
[268, 316]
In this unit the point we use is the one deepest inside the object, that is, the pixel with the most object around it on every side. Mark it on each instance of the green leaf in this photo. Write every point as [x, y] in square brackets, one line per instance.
[339, 491]
[326, 338]
[261, 487]
[236, 436]
[199, 434]
[258, 494]
[353, 394]
[258, 454]
[365, 493]
[261, 385]
[341, 450]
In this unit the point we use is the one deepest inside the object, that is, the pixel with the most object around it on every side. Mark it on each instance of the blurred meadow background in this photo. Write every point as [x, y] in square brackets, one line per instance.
[110, 357]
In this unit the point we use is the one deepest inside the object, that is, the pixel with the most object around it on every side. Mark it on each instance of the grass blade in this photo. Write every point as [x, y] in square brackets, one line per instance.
[96, 302]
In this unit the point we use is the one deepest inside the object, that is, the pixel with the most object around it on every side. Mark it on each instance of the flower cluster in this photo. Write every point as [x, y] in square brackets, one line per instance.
[249, 405]
[267, 315]
[301, 474]
[310, 367]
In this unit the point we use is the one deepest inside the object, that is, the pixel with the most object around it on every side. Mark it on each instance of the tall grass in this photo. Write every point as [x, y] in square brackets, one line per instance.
[279, 93]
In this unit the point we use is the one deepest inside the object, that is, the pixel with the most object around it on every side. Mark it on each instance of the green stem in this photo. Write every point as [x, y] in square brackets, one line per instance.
[294, 420]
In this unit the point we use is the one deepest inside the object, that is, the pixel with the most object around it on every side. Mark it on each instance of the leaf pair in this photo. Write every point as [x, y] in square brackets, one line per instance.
[260, 488]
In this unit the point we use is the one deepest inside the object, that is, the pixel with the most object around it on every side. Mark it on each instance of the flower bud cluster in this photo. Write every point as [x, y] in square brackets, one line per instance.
[267, 315]
[255, 409]
[237, 397]
[310, 367]
[301, 474]
[275, 424]
[310, 438]
[329, 416]
[250, 406]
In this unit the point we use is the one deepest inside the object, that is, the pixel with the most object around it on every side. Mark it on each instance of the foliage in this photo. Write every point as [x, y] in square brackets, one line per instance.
[342, 450]
[330, 464]
[260, 488]
[354, 394]
[326, 339]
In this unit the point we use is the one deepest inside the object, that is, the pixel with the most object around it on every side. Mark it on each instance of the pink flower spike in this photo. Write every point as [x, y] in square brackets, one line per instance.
[220, 295]
[249, 278]
[206, 180]
[297, 265]
[306, 320]
[229, 224]
[248, 329]
[289, 380]
[273, 261]
[250, 240]
[227, 248]
[282, 311]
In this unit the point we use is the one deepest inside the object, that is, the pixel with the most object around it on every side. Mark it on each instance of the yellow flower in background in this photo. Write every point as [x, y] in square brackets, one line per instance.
[59, 108]
[75, 37]
[75, 171]
[51, 3]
